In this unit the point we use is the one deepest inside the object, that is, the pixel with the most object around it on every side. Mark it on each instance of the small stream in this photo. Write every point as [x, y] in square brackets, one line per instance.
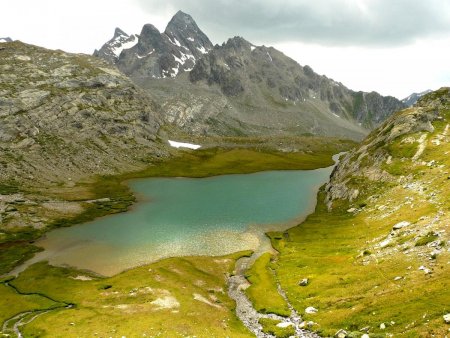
[248, 314]
[12, 325]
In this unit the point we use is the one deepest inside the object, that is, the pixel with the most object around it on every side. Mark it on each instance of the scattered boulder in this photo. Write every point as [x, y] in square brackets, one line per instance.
[311, 310]
[285, 324]
[400, 225]
[385, 243]
[398, 278]
[424, 269]
[365, 335]
[341, 334]
[382, 326]
[303, 282]
[308, 325]
[447, 318]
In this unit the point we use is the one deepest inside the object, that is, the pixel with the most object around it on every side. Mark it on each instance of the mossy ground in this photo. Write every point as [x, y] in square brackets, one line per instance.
[263, 292]
[270, 327]
[176, 297]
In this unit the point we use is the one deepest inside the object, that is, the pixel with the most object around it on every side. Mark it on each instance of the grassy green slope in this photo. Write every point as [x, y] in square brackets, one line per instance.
[363, 274]
[175, 297]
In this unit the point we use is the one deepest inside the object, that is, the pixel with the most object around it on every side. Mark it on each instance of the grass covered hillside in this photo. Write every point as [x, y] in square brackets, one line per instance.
[375, 253]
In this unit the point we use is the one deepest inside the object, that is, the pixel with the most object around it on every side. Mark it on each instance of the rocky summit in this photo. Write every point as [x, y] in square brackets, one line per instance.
[158, 55]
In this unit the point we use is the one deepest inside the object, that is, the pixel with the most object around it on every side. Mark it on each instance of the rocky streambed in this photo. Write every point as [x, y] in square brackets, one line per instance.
[245, 311]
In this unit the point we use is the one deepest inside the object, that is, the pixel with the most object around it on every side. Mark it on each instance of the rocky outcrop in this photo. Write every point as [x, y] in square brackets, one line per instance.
[65, 116]
[380, 147]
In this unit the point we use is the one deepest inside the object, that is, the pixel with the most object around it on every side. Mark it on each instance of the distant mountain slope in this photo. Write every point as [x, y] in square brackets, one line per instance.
[7, 39]
[240, 67]
[414, 97]
[241, 89]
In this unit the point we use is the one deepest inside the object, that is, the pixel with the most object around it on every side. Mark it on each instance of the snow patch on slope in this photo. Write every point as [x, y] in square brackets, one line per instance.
[176, 144]
[144, 56]
[202, 49]
[120, 44]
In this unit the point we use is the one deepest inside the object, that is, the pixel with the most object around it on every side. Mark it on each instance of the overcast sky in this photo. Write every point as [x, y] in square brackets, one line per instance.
[395, 47]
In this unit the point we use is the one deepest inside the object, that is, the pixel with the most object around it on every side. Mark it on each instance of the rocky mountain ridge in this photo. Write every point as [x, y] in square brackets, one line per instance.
[414, 97]
[238, 65]
[242, 89]
[158, 55]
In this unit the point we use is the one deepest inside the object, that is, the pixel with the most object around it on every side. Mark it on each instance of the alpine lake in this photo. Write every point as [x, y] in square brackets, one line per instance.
[187, 216]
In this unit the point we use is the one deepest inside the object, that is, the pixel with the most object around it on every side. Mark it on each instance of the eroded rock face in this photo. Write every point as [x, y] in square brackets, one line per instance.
[69, 115]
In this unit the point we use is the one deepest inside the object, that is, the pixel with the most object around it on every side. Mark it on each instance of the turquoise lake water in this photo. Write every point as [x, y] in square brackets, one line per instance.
[186, 216]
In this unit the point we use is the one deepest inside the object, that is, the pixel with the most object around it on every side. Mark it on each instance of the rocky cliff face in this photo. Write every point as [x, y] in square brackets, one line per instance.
[158, 55]
[65, 116]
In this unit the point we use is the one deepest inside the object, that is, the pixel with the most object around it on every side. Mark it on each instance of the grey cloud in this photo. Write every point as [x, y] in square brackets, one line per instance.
[332, 22]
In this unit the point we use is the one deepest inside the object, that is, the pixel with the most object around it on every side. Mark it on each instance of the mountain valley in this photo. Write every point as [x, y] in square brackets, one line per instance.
[372, 260]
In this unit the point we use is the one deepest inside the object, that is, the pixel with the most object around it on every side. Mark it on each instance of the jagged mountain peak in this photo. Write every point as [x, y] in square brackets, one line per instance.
[118, 32]
[166, 54]
[181, 20]
[111, 50]
[148, 28]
